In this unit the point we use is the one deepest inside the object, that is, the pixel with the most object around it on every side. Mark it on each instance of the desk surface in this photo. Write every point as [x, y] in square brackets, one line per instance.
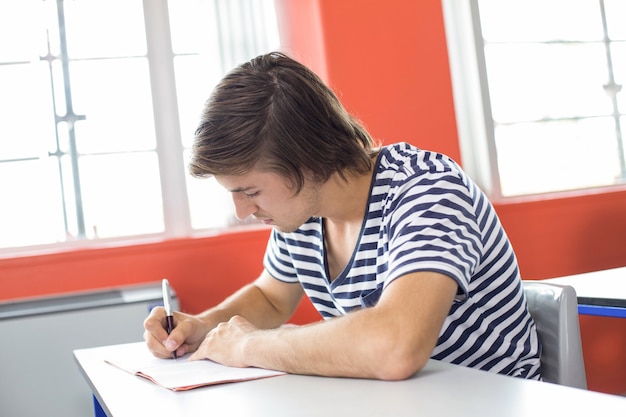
[440, 389]
[599, 292]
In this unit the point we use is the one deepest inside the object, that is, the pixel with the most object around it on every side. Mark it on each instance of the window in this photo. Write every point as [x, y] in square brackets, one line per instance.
[99, 103]
[538, 92]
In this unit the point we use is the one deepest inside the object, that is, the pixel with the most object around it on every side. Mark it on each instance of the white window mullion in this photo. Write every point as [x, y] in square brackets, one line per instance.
[167, 125]
[472, 108]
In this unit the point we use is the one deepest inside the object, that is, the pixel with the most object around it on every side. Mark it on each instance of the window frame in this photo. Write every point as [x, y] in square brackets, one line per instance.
[169, 149]
[471, 96]
[475, 124]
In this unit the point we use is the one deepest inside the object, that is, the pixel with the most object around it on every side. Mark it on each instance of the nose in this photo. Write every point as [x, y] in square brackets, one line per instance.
[243, 207]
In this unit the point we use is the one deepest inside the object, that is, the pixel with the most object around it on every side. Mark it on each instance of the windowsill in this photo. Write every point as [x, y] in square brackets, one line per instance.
[561, 195]
[121, 242]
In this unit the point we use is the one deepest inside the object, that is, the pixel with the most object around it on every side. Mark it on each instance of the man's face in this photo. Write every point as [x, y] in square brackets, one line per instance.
[269, 198]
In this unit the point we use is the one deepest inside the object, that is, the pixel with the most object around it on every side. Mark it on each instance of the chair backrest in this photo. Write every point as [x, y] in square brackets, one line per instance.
[554, 308]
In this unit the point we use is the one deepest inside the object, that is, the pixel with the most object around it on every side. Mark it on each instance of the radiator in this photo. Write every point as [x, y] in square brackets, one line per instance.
[38, 375]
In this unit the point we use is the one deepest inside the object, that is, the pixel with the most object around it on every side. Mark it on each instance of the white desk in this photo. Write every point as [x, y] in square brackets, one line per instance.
[599, 293]
[440, 389]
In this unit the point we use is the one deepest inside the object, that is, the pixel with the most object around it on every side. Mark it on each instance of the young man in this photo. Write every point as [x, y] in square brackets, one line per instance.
[400, 252]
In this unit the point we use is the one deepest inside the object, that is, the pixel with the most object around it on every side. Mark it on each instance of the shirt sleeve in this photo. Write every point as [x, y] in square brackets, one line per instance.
[432, 226]
[277, 261]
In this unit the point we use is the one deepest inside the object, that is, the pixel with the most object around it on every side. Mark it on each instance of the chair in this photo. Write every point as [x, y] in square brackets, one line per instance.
[554, 308]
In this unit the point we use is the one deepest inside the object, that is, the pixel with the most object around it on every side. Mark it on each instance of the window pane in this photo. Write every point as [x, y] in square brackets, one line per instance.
[540, 20]
[26, 103]
[622, 121]
[121, 194]
[616, 18]
[241, 30]
[114, 96]
[554, 156]
[536, 81]
[618, 55]
[213, 206]
[22, 20]
[57, 83]
[194, 27]
[196, 75]
[105, 28]
[31, 211]
[68, 185]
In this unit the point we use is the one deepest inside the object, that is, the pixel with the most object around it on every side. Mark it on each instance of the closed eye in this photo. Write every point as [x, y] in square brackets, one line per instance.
[251, 195]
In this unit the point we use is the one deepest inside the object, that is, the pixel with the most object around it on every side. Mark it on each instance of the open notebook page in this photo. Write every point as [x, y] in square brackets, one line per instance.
[179, 374]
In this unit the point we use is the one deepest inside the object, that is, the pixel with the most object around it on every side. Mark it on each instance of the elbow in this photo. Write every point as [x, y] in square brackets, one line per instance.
[399, 363]
[399, 370]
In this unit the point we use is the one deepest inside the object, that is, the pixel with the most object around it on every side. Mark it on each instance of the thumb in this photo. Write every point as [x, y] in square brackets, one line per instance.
[170, 344]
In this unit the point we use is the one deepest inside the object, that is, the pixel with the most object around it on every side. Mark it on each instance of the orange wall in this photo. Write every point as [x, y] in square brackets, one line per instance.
[202, 271]
[390, 67]
[388, 63]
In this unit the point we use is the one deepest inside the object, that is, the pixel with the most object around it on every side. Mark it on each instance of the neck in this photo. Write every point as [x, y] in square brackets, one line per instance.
[344, 199]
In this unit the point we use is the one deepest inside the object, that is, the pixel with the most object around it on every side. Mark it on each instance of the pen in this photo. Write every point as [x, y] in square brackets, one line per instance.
[167, 303]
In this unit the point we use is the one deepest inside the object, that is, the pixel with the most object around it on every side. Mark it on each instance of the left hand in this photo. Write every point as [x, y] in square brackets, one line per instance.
[225, 343]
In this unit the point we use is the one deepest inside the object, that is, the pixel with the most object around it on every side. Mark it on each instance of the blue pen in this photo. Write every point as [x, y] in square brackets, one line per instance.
[167, 303]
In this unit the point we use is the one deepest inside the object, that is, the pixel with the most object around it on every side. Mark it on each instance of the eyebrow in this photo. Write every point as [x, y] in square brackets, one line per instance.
[241, 189]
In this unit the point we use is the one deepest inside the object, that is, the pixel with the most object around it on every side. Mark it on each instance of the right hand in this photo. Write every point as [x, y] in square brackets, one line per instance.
[189, 331]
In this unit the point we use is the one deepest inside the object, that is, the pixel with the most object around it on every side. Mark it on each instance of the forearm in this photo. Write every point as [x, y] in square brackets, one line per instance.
[351, 346]
[266, 303]
[391, 340]
[249, 302]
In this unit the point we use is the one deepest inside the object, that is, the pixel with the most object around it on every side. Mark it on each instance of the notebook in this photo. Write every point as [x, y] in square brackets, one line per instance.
[179, 374]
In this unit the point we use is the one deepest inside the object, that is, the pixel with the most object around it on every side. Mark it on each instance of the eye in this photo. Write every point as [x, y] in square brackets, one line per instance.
[251, 195]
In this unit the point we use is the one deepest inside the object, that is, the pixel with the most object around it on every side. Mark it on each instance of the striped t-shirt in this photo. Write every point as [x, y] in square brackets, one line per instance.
[424, 214]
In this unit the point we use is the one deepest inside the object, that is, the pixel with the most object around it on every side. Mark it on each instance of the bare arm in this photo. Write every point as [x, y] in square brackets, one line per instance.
[392, 340]
[266, 303]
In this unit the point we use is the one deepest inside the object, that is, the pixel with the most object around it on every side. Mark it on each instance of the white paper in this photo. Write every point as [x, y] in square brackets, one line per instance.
[180, 374]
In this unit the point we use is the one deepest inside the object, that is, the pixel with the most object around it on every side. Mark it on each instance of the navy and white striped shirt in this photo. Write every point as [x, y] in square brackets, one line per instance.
[424, 214]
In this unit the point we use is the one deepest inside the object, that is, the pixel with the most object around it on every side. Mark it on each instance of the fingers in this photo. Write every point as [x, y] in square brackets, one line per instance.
[203, 351]
[155, 346]
[188, 333]
[224, 343]
[158, 341]
[154, 323]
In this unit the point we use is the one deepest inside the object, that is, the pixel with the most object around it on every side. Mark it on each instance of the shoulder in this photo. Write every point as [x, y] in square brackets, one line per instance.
[403, 170]
[409, 160]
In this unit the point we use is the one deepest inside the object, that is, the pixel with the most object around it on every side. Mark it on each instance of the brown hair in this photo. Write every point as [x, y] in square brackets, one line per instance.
[275, 114]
